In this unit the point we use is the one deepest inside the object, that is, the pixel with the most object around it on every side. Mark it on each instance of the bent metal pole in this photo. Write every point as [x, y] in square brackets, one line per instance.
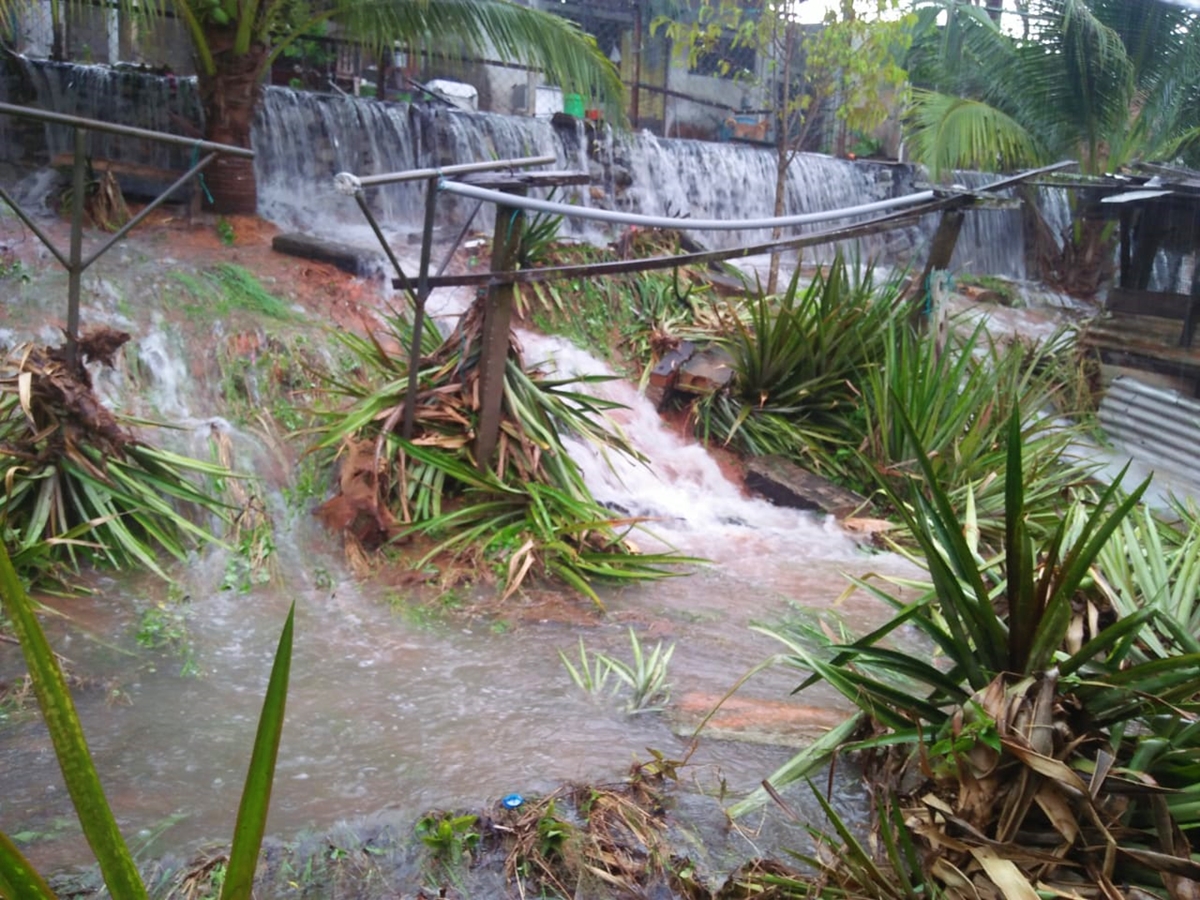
[620, 218]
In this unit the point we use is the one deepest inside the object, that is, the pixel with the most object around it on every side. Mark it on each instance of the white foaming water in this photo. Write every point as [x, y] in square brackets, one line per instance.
[680, 487]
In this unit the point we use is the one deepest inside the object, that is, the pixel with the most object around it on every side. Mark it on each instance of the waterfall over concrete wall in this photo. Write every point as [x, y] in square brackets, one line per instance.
[124, 97]
[304, 139]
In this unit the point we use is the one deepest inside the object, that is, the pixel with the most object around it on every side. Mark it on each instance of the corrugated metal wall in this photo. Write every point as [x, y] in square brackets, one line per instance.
[1156, 426]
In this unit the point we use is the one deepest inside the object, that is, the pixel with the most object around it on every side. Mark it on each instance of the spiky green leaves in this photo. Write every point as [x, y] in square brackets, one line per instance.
[78, 486]
[18, 878]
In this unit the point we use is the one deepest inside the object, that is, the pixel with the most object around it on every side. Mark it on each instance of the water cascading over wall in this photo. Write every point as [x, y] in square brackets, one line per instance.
[302, 140]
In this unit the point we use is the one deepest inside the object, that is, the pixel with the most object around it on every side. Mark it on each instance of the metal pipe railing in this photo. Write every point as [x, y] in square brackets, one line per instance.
[621, 218]
[352, 185]
[73, 261]
[456, 169]
[44, 115]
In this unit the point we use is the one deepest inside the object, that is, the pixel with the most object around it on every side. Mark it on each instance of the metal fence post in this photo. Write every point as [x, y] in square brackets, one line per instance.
[414, 354]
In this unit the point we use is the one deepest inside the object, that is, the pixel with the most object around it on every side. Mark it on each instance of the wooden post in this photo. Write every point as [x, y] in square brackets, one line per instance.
[497, 323]
[75, 268]
[1125, 275]
[940, 253]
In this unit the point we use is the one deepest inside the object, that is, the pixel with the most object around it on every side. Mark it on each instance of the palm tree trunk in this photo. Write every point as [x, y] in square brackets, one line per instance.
[229, 98]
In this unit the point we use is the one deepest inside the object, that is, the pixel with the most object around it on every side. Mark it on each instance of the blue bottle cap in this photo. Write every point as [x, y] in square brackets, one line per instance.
[512, 801]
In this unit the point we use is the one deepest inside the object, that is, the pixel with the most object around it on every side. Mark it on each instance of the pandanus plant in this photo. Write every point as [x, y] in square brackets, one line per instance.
[1043, 742]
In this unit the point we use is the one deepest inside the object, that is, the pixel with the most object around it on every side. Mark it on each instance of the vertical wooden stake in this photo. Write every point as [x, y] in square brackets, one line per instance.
[1125, 275]
[497, 323]
[940, 253]
[75, 266]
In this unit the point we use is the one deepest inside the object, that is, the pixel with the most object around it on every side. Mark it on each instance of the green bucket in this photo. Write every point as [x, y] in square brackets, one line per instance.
[573, 105]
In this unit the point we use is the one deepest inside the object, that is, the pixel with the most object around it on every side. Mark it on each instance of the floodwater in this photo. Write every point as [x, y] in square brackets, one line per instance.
[396, 710]
[391, 709]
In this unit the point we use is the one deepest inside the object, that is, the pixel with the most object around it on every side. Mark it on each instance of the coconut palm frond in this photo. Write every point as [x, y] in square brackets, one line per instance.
[949, 132]
[565, 53]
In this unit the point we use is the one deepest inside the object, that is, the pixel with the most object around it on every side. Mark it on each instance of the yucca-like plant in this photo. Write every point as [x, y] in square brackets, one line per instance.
[77, 484]
[959, 400]
[528, 511]
[1153, 564]
[796, 362]
[645, 675]
[521, 527]
[1037, 738]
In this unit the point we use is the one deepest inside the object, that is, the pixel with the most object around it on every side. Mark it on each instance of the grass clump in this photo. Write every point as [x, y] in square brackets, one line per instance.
[226, 289]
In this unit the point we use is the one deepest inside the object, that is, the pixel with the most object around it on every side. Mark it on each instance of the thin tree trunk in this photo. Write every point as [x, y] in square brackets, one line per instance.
[230, 98]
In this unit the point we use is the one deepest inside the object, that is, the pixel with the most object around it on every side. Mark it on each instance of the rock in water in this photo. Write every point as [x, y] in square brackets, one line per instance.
[786, 484]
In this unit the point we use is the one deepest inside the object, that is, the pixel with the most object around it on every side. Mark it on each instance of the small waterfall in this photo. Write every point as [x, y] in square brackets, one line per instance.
[690, 502]
[123, 97]
[303, 139]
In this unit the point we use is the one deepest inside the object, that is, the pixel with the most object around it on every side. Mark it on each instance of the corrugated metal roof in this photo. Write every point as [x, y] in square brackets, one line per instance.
[1131, 196]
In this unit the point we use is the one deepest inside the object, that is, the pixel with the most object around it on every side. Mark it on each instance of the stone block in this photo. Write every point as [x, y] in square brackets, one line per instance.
[706, 372]
[786, 484]
[347, 257]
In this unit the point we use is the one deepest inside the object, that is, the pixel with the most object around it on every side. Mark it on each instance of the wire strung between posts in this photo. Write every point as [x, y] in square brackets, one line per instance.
[620, 218]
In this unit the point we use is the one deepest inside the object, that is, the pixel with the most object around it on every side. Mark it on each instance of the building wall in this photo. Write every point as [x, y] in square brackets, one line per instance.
[104, 36]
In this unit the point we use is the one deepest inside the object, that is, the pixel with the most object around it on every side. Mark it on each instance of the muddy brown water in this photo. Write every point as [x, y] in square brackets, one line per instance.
[394, 710]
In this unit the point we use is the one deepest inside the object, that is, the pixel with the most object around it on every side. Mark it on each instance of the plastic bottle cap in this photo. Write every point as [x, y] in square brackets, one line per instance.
[512, 801]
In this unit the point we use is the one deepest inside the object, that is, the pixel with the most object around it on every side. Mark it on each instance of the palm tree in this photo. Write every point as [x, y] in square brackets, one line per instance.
[1106, 82]
[1103, 81]
[236, 41]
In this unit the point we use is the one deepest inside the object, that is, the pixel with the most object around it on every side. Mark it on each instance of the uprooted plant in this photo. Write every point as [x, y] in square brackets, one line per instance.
[528, 510]
[1047, 745]
[78, 485]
